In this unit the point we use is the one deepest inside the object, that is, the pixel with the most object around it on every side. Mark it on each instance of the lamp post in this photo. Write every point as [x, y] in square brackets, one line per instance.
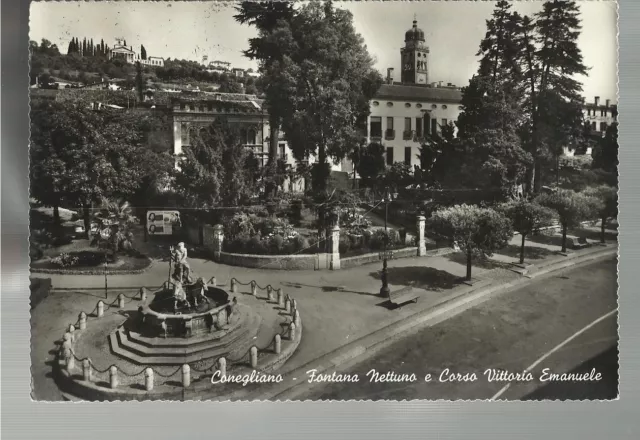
[388, 198]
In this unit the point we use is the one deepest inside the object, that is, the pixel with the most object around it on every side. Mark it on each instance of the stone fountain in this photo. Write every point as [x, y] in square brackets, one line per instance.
[187, 320]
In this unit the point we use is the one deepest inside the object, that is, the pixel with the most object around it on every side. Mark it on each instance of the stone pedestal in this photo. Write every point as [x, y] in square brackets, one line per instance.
[334, 248]
[422, 248]
[218, 238]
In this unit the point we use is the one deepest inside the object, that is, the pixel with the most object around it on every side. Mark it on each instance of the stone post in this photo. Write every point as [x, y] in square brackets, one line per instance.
[422, 248]
[86, 370]
[186, 375]
[72, 328]
[234, 285]
[218, 238]
[222, 367]
[213, 281]
[280, 298]
[148, 379]
[334, 247]
[254, 288]
[222, 317]
[278, 344]
[113, 377]
[269, 293]
[70, 361]
[292, 331]
[100, 308]
[143, 294]
[121, 301]
[287, 306]
[294, 304]
[82, 317]
[296, 318]
[254, 356]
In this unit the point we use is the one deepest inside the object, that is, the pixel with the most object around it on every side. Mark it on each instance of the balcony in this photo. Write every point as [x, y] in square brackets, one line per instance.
[407, 135]
[389, 134]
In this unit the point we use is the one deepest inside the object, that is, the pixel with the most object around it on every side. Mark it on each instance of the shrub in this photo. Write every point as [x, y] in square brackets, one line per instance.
[65, 260]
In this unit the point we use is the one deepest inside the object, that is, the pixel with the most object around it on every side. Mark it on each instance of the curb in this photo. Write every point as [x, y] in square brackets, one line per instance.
[367, 346]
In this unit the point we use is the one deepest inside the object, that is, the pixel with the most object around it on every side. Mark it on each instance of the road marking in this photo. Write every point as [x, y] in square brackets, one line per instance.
[556, 348]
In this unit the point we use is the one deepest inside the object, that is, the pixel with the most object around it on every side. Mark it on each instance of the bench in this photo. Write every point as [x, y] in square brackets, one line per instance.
[581, 243]
[403, 296]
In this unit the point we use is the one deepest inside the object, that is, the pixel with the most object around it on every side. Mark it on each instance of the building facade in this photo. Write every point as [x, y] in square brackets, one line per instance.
[402, 113]
[127, 54]
[600, 115]
[190, 113]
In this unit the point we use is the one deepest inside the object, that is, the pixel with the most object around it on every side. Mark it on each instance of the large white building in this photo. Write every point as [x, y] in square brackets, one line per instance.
[126, 53]
[403, 112]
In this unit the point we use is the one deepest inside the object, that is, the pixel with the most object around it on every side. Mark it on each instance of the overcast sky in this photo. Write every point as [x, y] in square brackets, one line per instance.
[453, 31]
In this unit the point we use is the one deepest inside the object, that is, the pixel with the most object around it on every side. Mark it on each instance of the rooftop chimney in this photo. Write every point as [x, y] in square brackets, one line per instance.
[607, 102]
[390, 75]
[439, 83]
[597, 100]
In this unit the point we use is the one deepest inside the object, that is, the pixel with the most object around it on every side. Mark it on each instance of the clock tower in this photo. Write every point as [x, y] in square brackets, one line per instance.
[414, 66]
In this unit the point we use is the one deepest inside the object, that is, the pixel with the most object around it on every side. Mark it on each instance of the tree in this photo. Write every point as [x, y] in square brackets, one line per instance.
[476, 230]
[572, 208]
[439, 155]
[605, 155]
[558, 61]
[216, 170]
[527, 218]
[143, 52]
[266, 17]
[370, 163]
[608, 196]
[62, 142]
[488, 134]
[114, 233]
[139, 81]
[320, 84]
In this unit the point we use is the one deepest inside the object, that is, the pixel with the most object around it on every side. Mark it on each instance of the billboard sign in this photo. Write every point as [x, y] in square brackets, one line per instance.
[162, 222]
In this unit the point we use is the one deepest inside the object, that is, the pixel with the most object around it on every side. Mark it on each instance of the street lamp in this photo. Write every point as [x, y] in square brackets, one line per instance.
[388, 198]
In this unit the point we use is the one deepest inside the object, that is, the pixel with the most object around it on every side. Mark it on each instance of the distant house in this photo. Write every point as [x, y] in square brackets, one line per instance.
[123, 52]
[152, 61]
[237, 72]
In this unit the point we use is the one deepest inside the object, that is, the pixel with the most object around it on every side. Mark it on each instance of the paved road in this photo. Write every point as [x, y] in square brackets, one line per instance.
[565, 323]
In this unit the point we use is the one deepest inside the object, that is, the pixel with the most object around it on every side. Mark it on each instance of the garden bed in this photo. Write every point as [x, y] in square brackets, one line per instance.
[91, 263]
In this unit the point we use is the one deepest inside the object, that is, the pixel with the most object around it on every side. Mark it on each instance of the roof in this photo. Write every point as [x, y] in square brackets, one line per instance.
[121, 49]
[405, 92]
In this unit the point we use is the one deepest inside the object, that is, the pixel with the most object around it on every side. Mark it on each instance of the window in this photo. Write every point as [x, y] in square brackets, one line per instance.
[434, 126]
[283, 149]
[419, 127]
[603, 126]
[407, 155]
[593, 125]
[407, 124]
[444, 122]
[184, 133]
[389, 123]
[389, 155]
[375, 126]
[588, 112]
[251, 137]
[603, 112]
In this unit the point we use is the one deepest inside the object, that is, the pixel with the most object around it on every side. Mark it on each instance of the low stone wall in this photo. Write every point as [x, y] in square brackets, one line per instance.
[278, 262]
[375, 257]
[78, 377]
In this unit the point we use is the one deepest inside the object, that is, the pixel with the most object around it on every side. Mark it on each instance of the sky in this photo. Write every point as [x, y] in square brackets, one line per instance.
[453, 30]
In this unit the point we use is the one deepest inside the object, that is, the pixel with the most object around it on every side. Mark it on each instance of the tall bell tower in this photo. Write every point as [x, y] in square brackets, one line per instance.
[414, 55]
